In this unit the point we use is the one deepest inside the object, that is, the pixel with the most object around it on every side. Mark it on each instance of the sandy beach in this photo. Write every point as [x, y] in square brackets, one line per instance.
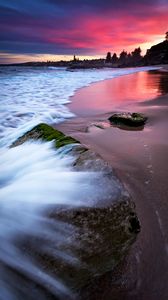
[140, 159]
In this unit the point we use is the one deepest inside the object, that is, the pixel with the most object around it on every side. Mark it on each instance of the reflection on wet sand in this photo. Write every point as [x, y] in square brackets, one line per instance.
[108, 95]
[163, 84]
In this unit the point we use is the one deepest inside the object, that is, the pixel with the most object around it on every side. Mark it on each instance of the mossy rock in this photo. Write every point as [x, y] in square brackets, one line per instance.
[46, 133]
[129, 119]
[98, 236]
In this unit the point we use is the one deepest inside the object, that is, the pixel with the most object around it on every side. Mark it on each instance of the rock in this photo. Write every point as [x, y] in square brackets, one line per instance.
[128, 119]
[46, 133]
[94, 237]
[101, 238]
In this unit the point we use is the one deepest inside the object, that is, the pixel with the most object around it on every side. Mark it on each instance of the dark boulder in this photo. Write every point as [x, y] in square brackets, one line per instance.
[128, 119]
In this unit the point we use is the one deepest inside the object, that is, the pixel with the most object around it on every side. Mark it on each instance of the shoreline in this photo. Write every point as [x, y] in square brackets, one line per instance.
[79, 103]
[139, 157]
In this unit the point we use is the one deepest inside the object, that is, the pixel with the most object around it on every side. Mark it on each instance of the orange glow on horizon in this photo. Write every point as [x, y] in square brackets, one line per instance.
[21, 58]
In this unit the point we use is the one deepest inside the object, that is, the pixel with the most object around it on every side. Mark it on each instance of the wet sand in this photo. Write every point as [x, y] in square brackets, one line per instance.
[140, 159]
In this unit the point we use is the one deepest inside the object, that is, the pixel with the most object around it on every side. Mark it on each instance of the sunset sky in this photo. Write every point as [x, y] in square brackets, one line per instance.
[34, 30]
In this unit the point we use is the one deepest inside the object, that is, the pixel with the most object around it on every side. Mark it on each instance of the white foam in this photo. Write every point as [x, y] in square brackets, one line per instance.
[36, 173]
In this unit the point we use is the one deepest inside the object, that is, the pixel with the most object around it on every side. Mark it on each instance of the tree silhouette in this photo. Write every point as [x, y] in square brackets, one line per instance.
[114, 59]
[136, 55]
[129, 58]
[108, 57]
[167, 36]
[123, 57]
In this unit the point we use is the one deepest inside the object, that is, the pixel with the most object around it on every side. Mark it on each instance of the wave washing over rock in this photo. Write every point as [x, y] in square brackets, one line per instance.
[29, 96]
[33, 177]
[65, 218]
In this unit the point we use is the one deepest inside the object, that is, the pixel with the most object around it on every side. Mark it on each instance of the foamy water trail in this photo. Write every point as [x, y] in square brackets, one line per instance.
[29, 96]
[33, 177]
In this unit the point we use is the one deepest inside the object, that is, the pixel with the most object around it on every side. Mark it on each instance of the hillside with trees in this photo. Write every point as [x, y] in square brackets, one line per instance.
[157, 54]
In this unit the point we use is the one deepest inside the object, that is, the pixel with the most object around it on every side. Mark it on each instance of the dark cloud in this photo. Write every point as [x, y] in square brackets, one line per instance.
[101, 6]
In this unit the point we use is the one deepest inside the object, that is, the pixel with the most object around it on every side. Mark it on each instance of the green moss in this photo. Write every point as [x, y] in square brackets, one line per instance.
[65, 141]
[46, 133]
